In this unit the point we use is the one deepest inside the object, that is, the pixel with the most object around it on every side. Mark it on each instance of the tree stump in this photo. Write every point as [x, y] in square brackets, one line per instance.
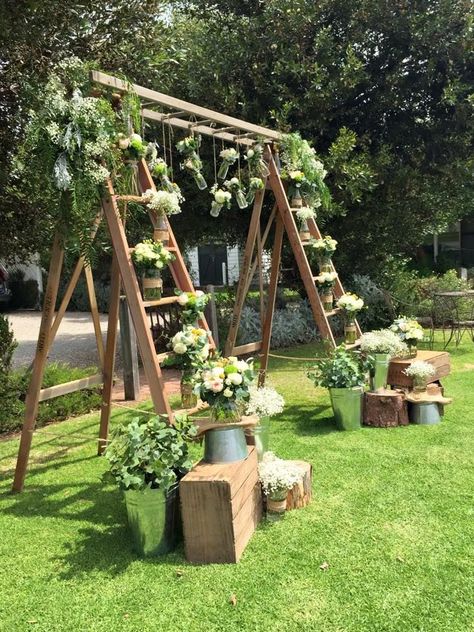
[385, 409]
[300, 494]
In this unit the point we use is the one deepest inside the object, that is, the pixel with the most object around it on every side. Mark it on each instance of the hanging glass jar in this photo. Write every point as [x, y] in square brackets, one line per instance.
[241, 199]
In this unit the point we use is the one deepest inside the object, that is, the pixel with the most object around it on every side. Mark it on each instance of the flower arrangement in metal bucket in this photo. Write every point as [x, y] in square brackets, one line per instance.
[148, 255]
[222, 199]
[193, 305]
[224, 384]
[189, 148]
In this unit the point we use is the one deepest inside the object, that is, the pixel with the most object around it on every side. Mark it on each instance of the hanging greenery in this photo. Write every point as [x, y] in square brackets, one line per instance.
[304, 171]
[73, 144]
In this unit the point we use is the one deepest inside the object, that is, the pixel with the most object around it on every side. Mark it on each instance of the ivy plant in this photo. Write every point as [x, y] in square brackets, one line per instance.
[342, 369]
[150, 453]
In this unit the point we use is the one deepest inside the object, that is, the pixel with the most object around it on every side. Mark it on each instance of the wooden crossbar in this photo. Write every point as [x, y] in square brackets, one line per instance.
[70, 387]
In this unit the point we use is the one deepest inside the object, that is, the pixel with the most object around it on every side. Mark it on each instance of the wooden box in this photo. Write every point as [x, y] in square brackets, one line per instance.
[439, 359]
[221, 506]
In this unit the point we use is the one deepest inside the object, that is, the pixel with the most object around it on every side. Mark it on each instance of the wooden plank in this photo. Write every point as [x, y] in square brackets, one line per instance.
[70, 387]
[299, 253]
[137, 311]
[39, 363]
[255, 515]
[167, 300]
[244, 282]
[94, 313]
[300, 494]
[241, 496]
[271, 297]
[211, 314]
[178, 104]
[247, 348]
[128, 346]
[109, 358]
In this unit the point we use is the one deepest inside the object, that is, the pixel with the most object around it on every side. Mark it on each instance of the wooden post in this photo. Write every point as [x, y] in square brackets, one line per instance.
[41, 356]
[109, 359]
[272, 292]
[94, 313]
[128, 345]
[211, 315]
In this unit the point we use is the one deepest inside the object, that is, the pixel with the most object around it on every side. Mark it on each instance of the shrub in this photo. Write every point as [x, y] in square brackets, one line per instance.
[25, 293]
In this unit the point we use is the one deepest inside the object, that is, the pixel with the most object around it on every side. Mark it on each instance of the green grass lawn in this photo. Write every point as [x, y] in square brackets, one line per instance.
[392, 515]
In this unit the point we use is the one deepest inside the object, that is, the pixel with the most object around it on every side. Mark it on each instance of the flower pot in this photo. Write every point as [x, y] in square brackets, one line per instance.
[419, 384]
[325, 264]
[380, 374]
[225, 445]
[347, 407]
[350, 332]
[241, 199]
[161, 230]
[328, 301]
[154, 520]
[199, 180]
[152, 285]
[188, 398]
[425, 413]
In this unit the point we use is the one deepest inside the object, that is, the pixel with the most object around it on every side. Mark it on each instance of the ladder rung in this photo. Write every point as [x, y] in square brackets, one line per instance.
[333, 312]
[130, 198]
[167, 300]
[354, 345]
[317, 277]
[305, 243]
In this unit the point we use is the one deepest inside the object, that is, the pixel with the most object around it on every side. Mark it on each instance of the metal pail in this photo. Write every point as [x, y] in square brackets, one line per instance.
[426, 413]
[347, 407]
[225, 445]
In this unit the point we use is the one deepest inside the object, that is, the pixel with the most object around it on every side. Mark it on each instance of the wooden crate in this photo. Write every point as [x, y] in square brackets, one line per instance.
[439, 359]
[221, 506]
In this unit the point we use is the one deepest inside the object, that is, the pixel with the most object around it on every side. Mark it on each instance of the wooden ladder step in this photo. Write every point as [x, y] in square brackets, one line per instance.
[333, 312]
[354, 345]
[167, 300]
[317, 277]
[139, 199]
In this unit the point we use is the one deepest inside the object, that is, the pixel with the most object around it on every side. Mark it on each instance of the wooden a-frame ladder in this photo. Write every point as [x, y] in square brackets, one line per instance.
[122, 274]
[284, 217]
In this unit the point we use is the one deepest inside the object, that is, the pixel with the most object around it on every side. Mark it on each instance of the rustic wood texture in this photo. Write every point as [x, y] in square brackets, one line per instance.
[440, 360]
[300, 495]
[385, 409]
[221, 506]
[70, 387]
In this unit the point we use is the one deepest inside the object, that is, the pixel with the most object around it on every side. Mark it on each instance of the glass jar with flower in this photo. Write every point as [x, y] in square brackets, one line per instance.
[228, 157]
[150, 257]
[296, 179]
[190, 348]
[303, 215]
[324, 249]
[162, 204]
[235, 186]
[380, 347]
[256, 164]
[277, 477]
[264, 402]
[351, 305]
[222, 199]
[133, 149]
[189, 148]
[224, 384]
[255, 184]
[421, 372]
[409, 331]
[193, 305]
[326, 281]
[160, 171]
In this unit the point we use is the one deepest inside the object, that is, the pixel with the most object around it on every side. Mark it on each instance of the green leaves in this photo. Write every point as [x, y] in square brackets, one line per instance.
[342, 369]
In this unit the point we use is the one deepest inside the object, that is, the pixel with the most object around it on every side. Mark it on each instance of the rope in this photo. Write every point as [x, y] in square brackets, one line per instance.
[284, 357]
[215, 157]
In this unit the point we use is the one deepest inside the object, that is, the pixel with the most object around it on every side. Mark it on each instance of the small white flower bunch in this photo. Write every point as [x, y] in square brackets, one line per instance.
[191, 346]
[150, 254]
[305, 213]
[408, 329]
[326, 280]
[383, 341]
[228, 157]
[420, 369]
[193, 304]
[225, 380]
[325, 246]
[163, 202]
[264, 402]
[277, 475]
[222, 199]
[350, 303]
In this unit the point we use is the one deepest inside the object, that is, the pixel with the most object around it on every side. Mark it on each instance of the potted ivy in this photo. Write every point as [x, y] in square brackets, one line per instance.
[344, 374]
[150, 257]
[147, 459]
[190, 348]
[264, 402]
[380, 347]
[224, 384]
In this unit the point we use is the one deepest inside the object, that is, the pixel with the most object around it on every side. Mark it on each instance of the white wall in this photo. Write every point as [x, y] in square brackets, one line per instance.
[233, 267]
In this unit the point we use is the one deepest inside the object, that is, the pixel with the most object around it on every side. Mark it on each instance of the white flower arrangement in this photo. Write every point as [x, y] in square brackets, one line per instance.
[264, 402]
[326, 280]
[350, 303]
[277, 475]
[163, 202]
[383, 341]
[222, 199]
[191, 346]
[325, 246]
[229, 155]
[305, 213]
[150, 254]
[193, 304]
[408, 329]
[420, 369]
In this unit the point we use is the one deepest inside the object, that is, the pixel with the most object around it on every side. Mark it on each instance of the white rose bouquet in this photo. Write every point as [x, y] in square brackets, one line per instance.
[193, 305]
[324, 247]
[228, 157]
[221, 199]
[224, 384]
[235, 186]
[408, 329]
[190, 347]
[255, 184]
[351, 304]
[255, 161]
[149, 255]
[326, 281]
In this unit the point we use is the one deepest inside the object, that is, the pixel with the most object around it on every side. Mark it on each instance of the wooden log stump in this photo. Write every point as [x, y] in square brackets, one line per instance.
[385, 409]
[300, 495]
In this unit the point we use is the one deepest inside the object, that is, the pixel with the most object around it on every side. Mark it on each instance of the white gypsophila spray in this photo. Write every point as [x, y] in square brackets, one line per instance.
[420, 369]
[277, 475]
[264, 402]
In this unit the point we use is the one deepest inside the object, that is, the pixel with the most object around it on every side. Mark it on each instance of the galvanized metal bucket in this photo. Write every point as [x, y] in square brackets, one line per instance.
[426, 413]
[225, 445]
[154, 520]
[347, 407]
[379, 377]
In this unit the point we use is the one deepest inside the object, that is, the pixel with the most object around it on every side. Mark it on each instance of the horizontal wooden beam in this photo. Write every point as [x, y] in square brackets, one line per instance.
[248, 348]
[70, 387]
[178, 104]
